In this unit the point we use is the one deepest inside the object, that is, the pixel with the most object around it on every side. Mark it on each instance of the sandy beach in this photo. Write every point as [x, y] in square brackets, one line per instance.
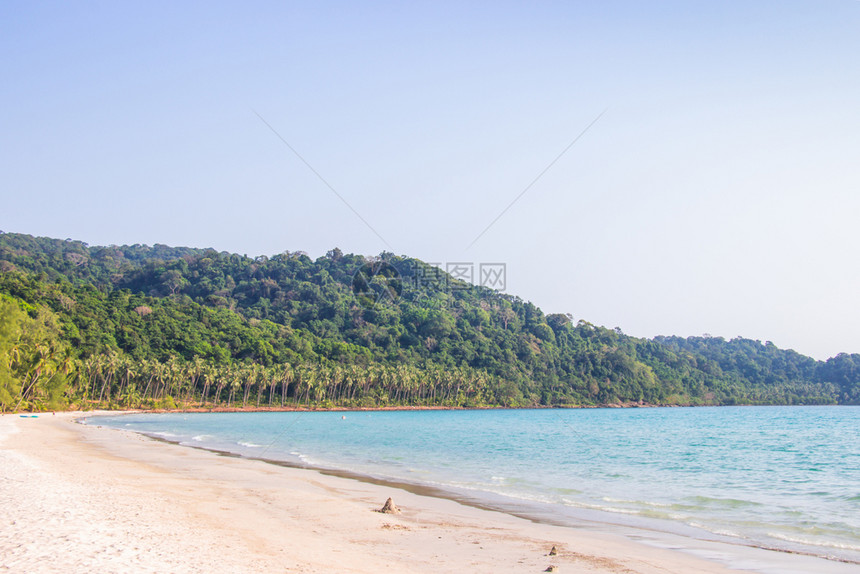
[80, 498]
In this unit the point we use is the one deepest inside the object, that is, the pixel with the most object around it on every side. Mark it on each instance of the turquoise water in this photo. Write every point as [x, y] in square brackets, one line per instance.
[777, 477]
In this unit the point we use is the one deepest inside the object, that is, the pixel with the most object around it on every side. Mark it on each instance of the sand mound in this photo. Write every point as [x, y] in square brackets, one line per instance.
[389, 508]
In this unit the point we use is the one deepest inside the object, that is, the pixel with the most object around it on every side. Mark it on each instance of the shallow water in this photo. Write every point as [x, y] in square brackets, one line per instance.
[777, 477]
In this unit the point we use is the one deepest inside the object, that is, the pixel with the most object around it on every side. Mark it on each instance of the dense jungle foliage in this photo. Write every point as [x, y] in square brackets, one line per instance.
[163, 327]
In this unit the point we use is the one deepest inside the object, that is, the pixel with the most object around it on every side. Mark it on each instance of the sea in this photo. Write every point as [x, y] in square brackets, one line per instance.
[782, 478]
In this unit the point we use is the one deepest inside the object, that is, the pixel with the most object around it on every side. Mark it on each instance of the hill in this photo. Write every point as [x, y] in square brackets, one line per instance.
[159, 326]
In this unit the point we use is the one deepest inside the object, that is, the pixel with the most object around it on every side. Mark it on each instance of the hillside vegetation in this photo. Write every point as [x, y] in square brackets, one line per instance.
[141, 326]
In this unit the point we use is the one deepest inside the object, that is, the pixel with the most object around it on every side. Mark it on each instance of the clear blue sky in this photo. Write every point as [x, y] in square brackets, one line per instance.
[719, 193]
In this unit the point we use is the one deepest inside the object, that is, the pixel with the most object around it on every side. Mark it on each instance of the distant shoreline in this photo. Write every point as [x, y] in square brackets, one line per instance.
[290, 409]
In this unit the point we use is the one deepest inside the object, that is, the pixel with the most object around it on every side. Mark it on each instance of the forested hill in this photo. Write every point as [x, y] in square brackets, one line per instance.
[161, 326]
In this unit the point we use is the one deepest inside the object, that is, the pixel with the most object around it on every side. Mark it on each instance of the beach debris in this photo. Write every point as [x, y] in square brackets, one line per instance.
[553, 551]
[552, 569]
[389, 507]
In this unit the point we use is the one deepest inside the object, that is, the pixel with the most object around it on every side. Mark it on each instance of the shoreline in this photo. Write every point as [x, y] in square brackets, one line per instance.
[275, 517]
[592, 518]
[511, 507]
[312, 409]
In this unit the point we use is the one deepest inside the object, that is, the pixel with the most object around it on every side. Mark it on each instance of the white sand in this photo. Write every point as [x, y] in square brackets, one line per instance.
[77, 498]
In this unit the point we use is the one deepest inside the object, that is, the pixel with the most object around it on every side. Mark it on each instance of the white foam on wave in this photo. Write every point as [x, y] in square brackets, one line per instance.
[636, 502]
[201, 437]
[718, 531]
[600, 507]
[249, 444]
[814, 542]
[301, 457]
[619, 510]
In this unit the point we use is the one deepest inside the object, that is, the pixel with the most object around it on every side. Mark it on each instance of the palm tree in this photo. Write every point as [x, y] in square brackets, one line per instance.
[235, 385]
[109, 368]
[286, 379]
[250, 376]
[221, 375]
[262, 383]
[130, 371]
[152, 369]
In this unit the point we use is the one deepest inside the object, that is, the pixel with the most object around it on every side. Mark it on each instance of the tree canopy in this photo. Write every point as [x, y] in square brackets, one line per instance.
[156, 326]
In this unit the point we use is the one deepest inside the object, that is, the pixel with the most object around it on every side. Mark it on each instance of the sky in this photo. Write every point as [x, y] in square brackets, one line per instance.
[713, 184]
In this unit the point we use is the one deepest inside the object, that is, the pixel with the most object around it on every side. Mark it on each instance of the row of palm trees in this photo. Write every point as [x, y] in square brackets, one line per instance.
[115, 380]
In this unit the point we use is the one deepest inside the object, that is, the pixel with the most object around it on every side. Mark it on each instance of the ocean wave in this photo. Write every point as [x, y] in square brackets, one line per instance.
[248, 444]
[563, 491]
[621, 500]
[602, 507]
[725, 502]
[814, 541]
[642, 502]
[302, 457]
[722, 531]
[617, 510]
[493, 489]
